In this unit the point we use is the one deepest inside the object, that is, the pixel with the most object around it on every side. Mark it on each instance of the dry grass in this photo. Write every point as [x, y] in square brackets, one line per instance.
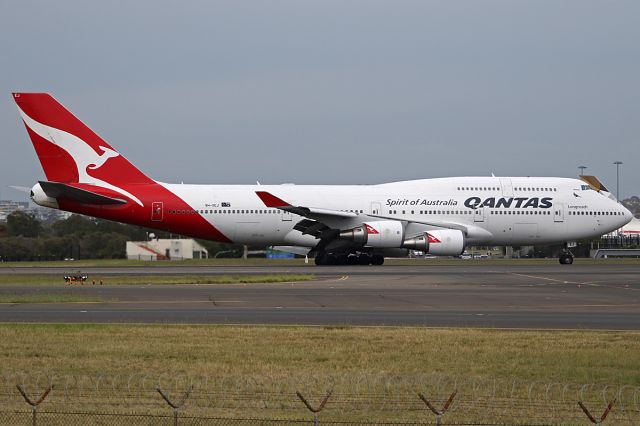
[566, 356]
[54, 280]
[48, 298]
[254, 371]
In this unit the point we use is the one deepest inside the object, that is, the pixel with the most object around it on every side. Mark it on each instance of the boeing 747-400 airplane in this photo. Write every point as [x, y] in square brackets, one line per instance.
[338, 224]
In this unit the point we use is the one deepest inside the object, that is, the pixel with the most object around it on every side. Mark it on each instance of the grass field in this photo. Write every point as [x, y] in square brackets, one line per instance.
[269, 351]
[258, 369]
[48, 298]
[52, 280]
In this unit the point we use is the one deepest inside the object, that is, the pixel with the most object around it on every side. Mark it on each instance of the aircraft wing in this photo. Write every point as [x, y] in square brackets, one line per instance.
[272, 201]
[594, 183]
[323, 221]
[470, 230]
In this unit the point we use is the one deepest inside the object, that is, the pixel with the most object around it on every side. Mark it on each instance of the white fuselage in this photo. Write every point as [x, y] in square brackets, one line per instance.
[493, 210]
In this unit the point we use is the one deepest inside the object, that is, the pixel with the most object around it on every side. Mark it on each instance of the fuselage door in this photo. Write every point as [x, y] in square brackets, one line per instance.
[375, 208]
[478, 214]
[286, 216]
[507, 188]
[558, 212]
[157, 210]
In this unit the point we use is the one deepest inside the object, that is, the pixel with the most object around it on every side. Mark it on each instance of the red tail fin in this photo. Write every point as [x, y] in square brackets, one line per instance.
[68, 150]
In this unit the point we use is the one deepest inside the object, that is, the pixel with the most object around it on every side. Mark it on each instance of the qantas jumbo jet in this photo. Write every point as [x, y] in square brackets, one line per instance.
[345, 224]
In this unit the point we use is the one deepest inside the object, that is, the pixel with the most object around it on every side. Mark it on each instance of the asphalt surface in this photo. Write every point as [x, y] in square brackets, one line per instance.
[600, 296]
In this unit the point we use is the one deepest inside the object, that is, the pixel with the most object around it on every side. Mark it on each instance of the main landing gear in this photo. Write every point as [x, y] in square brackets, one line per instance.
[323, 259]
[566, 258]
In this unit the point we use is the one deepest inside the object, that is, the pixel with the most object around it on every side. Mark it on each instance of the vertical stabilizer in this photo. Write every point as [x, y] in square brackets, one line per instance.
[69, 151]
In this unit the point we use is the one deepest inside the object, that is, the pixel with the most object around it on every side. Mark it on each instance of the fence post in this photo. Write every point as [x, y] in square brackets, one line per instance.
[175, 406]
[315, 411]
[434, 410]
[34, 404]
[604, 414]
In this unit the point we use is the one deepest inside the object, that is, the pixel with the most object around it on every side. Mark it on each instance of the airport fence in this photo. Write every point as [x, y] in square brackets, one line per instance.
[47, 399]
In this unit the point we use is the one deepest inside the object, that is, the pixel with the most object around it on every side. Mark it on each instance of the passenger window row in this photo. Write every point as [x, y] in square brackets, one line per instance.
[270, 211]
[517, 212]
[592, 213]
[492, 188]
[476, 188]
[456, 212]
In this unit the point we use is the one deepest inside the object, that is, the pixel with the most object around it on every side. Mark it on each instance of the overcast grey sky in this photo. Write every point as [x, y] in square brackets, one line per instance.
[333, 91]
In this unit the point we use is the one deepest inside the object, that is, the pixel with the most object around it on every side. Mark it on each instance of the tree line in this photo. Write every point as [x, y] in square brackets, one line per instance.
[24, 237]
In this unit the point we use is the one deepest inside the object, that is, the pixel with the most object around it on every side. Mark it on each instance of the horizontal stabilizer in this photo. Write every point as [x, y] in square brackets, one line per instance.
[20, 188]
[59, 190]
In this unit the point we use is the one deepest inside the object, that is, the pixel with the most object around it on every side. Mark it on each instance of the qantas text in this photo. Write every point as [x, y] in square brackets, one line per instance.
[517, 202]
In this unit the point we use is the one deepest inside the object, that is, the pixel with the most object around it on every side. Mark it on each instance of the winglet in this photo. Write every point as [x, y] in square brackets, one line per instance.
[594, 183]
[271, 200]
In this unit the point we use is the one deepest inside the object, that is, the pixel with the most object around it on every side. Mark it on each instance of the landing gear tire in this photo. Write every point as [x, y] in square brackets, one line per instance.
[566, 259]
[342, 260]
[364, 259]
[377, 259]
[325, 259]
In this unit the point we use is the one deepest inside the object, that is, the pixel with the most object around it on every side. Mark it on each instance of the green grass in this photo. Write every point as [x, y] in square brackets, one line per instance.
[48, 298]
[254, 371]
[279, 351]
[53, 280]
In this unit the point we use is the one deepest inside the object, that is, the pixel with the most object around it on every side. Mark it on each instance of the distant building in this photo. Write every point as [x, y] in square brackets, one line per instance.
[626, 237]
[46, 215]
[9, 206]
[166, 249]
[43, 214]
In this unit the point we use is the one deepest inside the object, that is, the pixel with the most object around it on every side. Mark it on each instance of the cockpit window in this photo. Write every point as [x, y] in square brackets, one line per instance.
[586, 188]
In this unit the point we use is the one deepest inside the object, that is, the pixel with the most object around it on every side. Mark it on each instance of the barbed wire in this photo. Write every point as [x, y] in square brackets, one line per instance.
[385, 394]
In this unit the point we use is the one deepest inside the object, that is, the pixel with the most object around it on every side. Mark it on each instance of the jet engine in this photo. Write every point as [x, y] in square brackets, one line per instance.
[443, 242]
[390, 234]
[381, 233]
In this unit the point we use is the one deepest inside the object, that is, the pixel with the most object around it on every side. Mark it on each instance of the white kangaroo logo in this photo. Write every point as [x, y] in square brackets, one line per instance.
[107, 153]
[83, 155]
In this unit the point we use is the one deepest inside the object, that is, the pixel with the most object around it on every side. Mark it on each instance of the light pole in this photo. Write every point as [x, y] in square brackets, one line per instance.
[582, 170]
[617, 163]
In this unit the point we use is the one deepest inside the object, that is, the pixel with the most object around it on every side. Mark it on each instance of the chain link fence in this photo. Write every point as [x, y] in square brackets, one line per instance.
[382, 399]
[82, 419]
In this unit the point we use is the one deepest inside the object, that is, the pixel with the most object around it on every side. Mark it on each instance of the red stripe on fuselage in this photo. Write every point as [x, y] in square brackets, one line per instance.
[191, 224]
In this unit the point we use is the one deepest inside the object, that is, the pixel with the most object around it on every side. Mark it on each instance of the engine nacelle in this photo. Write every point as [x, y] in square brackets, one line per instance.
[382, 234]
[419, 242]
[385, 233]
[358, 235]
[389, 234]
[445, 242]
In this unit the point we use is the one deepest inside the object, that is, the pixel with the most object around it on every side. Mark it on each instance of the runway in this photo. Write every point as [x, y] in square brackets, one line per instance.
[600, 296]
